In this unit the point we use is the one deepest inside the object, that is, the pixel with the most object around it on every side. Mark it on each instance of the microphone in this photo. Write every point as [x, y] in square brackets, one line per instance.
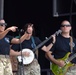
[19, 30]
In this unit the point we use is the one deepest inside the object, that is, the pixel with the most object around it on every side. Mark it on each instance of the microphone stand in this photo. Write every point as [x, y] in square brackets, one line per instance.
[20, 64]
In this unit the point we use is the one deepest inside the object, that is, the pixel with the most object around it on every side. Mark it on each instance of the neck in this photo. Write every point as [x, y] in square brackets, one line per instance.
[28, 37]
[65, 35]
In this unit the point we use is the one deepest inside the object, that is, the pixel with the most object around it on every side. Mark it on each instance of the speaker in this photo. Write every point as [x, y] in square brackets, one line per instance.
[63, 7]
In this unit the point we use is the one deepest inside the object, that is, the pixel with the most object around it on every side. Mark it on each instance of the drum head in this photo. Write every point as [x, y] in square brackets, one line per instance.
[27, 60]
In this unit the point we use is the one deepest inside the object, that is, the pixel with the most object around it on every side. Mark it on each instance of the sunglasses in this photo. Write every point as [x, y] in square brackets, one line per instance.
[65, 25]
[2, 25]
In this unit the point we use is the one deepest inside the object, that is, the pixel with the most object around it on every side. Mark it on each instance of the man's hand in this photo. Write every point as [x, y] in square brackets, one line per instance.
[54, 38]
[61, 63]
[13, 28]
[26, 54]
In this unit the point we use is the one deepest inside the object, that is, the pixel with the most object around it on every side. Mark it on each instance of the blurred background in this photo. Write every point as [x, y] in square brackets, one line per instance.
[46, 15]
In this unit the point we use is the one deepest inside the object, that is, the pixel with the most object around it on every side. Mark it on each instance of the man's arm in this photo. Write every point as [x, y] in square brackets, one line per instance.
[49, 55]
[17, 41]
[13, 29]
[47, 48]
[16, 53]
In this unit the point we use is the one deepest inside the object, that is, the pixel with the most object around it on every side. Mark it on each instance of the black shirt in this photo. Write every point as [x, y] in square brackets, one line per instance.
[5, 45]
[62, 47]
[26, 44]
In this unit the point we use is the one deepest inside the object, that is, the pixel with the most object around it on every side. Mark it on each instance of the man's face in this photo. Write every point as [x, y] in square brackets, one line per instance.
[30, 29]
[2, 27]
[65, 27]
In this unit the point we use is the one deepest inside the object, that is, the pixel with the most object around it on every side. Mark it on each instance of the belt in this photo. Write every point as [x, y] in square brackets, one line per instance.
[4, 56]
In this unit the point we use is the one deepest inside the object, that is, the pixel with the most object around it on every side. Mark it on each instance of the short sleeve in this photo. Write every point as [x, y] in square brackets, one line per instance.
[10, 37]
[15, 47]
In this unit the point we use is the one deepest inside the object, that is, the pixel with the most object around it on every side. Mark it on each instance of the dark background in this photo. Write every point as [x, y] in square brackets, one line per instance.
[40, 13]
